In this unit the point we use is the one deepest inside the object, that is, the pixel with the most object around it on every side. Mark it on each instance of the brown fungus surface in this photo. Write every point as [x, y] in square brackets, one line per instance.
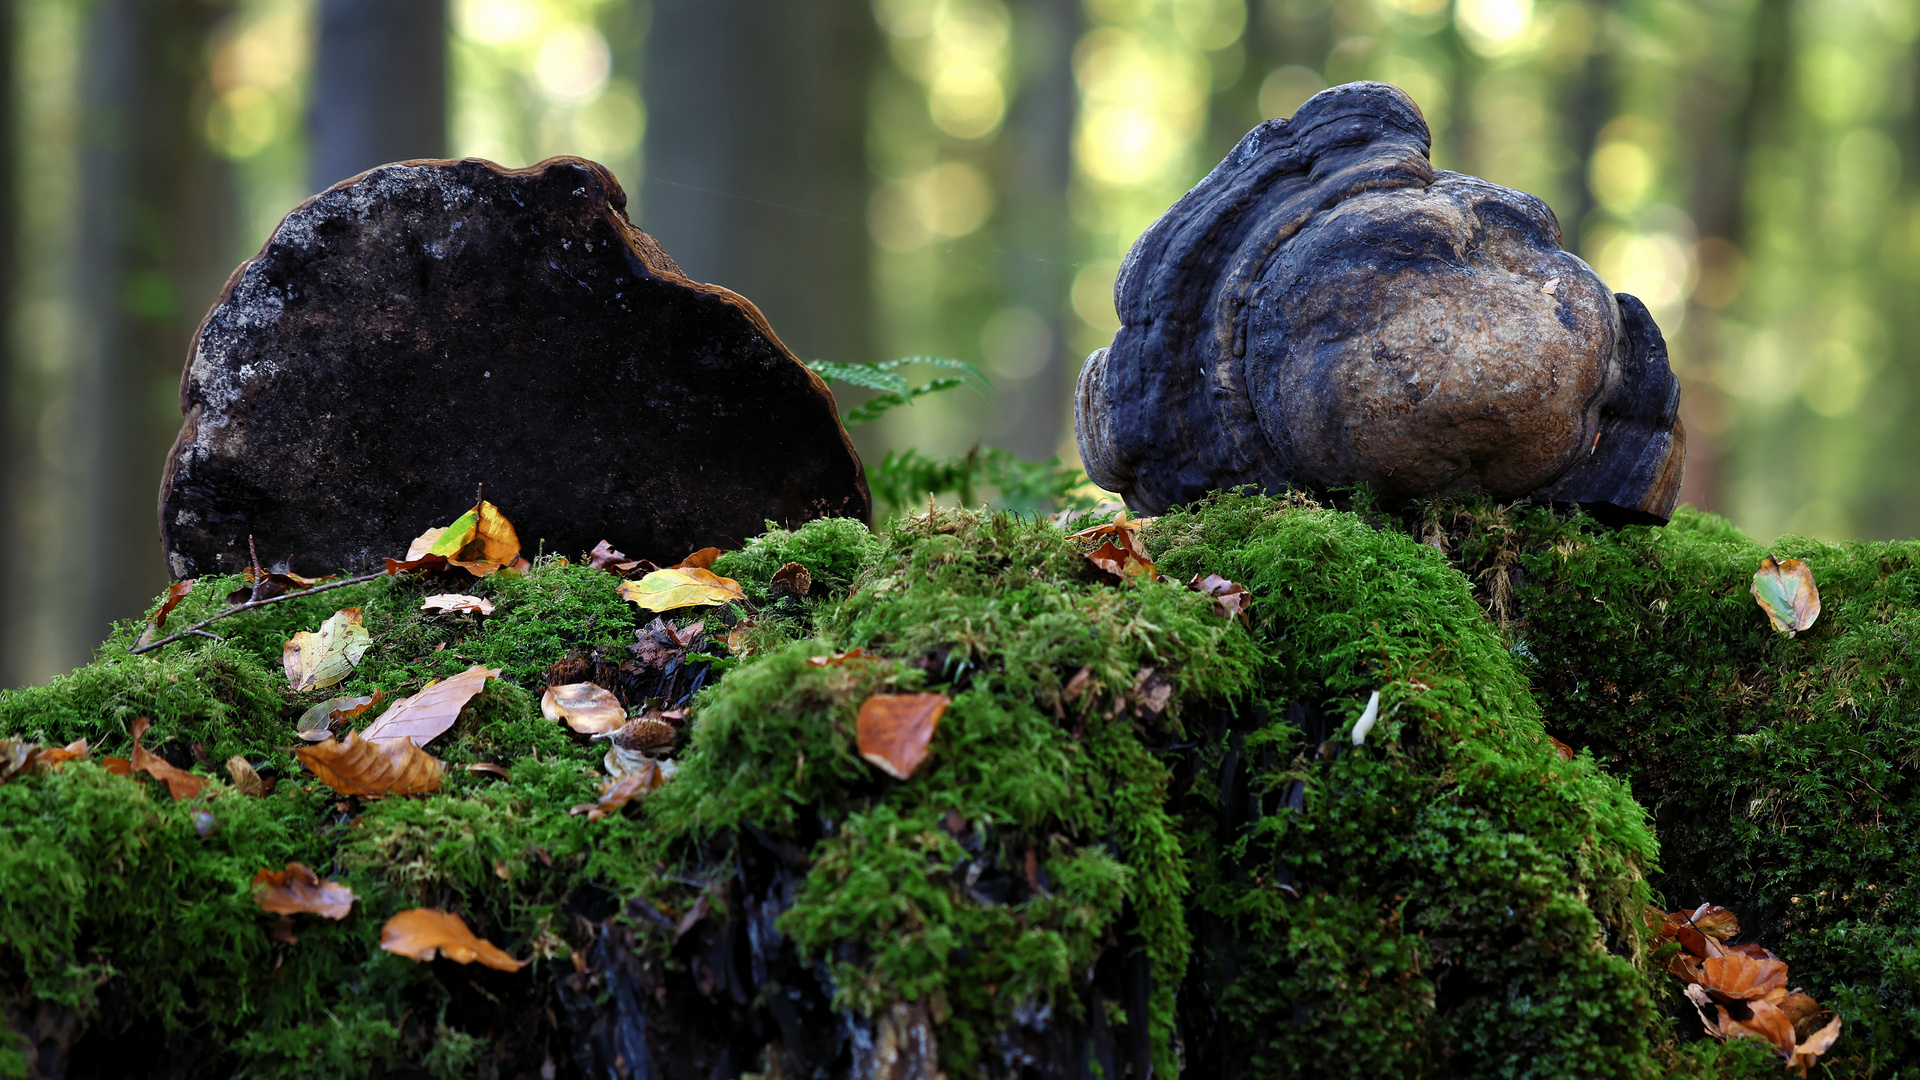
[1326, 309]
[429, 326]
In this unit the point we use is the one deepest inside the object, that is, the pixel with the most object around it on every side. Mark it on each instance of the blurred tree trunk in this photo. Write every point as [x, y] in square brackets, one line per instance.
[379, 86]
[756, 159]
[1037, 272]
[153, 243]
[14, 424]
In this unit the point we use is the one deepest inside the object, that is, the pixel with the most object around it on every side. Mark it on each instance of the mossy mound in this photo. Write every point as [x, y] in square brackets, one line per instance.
[1143, 839]
[1780, 771]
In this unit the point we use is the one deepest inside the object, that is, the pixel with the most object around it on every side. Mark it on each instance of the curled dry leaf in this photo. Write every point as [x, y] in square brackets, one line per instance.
[627, 748]
[1560, 748]
[319, 659]
[448, 603]
[422, 932]
[424, 716]
[618, 792]
[603, 557]
[479, 541]
[1763, 1022]
[1231, 599]
[1714, 921]
[358, 767]
[699, 560]
[15, 757]
[489, 767]
[267, 584]
[1818, 1043]
[895, 730]
[739, 638]
[791, 580]
[1117, 549]
[118, 766]
[296, 890]
[584, 707]
[1785, 591]
[176, 592]
[316, 724]
[1737, 977]
[675, 587]
[245, 780]
[181, 784]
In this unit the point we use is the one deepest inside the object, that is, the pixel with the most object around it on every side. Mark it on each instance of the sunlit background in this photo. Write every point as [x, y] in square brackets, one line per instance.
[960, 178]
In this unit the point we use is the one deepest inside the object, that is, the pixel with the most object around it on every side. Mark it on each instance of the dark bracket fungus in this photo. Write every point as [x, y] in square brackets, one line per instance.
[1326, 308]
[433, 325]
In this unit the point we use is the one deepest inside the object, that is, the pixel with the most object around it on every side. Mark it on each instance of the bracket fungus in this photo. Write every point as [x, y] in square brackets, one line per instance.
[1326, 308]
[432, 325]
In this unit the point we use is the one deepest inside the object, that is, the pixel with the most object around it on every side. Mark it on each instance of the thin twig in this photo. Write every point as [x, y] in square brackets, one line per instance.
[205, 633]
[249, 606]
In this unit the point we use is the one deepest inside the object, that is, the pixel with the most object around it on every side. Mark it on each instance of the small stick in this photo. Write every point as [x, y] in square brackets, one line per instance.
[259, 575]
[249, 606]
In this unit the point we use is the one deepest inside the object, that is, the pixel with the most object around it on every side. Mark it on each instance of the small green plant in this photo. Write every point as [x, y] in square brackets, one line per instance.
[903, 480]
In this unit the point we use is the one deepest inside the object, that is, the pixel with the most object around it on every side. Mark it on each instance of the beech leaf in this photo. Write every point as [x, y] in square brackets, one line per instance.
[584, 707]
[1738, 977]
[245, 780]
[422, 932]
[1785, 591]
[181, 784]
[699, 560]
[176, 592]
[446, 603]
[1117, 548]
[1230, 598]
[319, 659]
[618, 792]
[1818, 1043]
[604, 557]
[296, 890]
[895, 730]
[424, 716]
[480, 541]
[358, 767]
[1765, 1022]
[675, 587]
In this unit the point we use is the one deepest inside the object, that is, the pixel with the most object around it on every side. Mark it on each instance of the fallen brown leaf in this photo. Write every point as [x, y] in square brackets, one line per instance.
[895, 730]
[118, 766]
[836, 659]
[699, 560]
[1818, 1043]
[1117, 549]
[1230, 599]
[16, 756]
[603, 557]
[489, 767]
[1735, 977]
[1715, 921]
[618, 792]
[296, 890]
[358, 767]
[1785, 591]
[181, 784]
[1565, 751]
[584, 707]
[1765, 1022]
[739, 638]
[423, 932]
[176, 592]
[456, 603]
[424, 716]
[320, 658]
[245, 780]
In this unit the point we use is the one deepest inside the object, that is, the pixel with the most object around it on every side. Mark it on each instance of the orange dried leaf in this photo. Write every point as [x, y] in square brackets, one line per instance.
[424, 716]
[1565, 751]
[181, 784]
[1785, 591]
[54, 756]
[1766, 1022]
[836, 659]
[296, 890]
[1818, 1043]
[895, 730]
[118, 766]
[176, 592]
[618, 792]
[358, 767]
[1736, 977]
[699, 560]
[584, 707]
[422, 932]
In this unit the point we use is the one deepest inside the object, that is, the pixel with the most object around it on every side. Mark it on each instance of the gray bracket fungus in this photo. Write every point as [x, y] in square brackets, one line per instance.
[1326, 308]
[432, 325]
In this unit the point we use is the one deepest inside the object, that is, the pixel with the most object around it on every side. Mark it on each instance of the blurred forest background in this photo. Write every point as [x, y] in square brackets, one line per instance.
[951, 177]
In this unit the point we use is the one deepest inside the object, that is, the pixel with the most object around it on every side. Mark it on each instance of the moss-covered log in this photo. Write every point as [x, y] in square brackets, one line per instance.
[1144, 840]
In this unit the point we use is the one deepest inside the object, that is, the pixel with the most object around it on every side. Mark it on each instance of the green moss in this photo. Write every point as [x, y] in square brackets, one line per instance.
[1779, 770]
[1140, 822]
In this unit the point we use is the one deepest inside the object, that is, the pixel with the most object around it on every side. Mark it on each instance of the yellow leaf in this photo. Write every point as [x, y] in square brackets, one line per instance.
[315, 659]
[665, 590]
[422, 932]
